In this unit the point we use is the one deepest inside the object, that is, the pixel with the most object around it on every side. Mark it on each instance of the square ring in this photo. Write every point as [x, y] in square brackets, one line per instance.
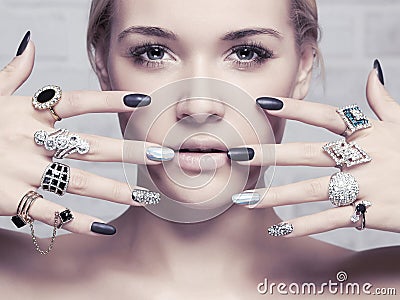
[349, 154]
[353, 118]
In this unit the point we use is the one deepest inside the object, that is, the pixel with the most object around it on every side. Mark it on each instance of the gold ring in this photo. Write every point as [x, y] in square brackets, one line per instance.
[46, 98]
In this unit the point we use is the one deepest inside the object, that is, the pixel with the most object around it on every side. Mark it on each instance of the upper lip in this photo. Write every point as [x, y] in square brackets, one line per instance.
[202, 144]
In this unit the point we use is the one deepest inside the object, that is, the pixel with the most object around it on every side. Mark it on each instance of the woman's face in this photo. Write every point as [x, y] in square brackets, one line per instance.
[248, 44]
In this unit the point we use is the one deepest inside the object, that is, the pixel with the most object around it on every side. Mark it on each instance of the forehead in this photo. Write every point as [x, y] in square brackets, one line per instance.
[209, 17]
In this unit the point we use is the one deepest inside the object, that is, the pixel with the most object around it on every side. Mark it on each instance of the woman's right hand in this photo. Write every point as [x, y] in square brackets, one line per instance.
[22, 162]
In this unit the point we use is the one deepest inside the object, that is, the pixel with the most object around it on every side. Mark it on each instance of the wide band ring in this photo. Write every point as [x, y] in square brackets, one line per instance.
[46, 98]
[55, 178]
[346, 154]
[62, 142]
[354, 119]
[22, 217]
[343, 189]
[359, 214]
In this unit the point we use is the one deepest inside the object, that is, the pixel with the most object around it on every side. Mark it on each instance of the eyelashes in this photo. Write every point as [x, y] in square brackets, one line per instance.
[244, 56]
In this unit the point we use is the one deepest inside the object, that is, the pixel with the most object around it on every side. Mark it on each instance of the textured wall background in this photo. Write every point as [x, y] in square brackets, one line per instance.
[355, 32]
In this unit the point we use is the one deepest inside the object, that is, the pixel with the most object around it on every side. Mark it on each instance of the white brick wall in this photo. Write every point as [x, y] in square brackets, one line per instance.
[355, 32]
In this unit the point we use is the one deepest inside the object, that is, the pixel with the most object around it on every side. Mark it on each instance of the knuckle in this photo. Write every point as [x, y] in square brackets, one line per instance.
[310, 152]
[117, 191]
[78, 181]
[74, 99]
[273, 198]
[314, 190]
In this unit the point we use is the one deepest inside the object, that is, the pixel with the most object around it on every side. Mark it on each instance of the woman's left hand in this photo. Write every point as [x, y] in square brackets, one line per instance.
[378, 180]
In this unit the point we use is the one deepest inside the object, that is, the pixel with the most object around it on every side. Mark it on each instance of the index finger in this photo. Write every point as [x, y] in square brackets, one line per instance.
[76, 103]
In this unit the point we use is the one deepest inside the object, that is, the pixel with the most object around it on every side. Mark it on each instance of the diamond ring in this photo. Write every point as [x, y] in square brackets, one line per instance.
[46, 98]
[344, 153]
[343, 189]
[353, 118]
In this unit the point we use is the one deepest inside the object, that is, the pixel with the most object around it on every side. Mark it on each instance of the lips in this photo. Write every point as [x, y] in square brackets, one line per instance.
[205, 145]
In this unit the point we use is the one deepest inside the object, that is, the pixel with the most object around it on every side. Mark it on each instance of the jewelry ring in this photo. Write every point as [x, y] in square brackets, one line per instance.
[359, 213]
[65, 216]
[55, 178]
[62, 142]
[46, 98]
[344, 153]
[343, 189]
[354, 119]
[22, 217]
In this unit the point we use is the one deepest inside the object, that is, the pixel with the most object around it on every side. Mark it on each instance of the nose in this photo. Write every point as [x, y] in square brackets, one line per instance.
[199, 102]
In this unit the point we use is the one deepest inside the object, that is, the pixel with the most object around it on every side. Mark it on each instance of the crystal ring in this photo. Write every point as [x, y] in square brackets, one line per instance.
[359, 213]
[354, 119]
[46, 98]
[344, 153]
[343, 189]
[65, 217]
[62, 142]
[55, 178]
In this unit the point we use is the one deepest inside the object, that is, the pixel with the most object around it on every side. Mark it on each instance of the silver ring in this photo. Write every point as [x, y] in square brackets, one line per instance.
[343, 189]
[55, 178]
[344, 153]
[62, 142]
[46, 98]
[354, 119]
[359, 213]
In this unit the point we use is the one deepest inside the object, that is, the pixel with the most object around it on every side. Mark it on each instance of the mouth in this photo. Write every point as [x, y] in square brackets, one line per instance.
[197, 150]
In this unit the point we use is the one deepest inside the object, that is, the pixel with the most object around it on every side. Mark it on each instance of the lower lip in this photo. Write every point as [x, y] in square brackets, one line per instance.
[197, 162]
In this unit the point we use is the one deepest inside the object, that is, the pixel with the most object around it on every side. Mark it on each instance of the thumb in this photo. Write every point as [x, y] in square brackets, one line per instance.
[383, 105]
[19, 69]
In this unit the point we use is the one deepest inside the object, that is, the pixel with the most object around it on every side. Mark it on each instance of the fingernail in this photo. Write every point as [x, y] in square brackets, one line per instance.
[379, 72]
[280, 229]
[270, 103]
[145, 197]
[136, 100]
[160, 153]
[103, 228]
[246, 198]
[241, 154]
[24, 43]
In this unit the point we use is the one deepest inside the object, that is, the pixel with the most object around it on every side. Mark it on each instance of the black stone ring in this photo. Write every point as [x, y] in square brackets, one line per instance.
[359, 214]
[65, 216]
[55, 178]
[46, 98]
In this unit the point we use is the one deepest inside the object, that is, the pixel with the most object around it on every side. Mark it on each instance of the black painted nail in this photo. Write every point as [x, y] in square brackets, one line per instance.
[136, 100]
[379, 72]
[270, 103]
[24, 43]
[241, 154]
[103, 228]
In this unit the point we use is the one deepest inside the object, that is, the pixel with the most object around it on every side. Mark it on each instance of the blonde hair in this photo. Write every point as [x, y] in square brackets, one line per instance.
[304, 16]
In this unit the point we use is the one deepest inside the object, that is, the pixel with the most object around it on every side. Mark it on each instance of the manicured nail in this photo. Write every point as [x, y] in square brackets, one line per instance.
[280, 229]
[241, 154]
[24, 43]
[379, 72]
[145, 197]
[103, 228]
[246, 198]
[270, 103]
[136, 100]
[160, 153]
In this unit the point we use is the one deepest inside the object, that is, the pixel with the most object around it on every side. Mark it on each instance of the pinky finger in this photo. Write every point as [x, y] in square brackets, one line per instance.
[43, 210]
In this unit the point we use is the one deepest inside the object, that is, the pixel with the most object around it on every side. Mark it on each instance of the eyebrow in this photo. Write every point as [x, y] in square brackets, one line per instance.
[239, 34]
[149, 31]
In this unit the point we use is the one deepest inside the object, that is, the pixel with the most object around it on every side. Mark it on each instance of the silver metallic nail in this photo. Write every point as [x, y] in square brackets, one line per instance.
[280, 229]
[145, 197]
[160, 153]
[246, 198]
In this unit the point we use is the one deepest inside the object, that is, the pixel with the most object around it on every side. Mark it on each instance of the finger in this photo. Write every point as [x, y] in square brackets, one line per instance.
[82, 102]
[43, 210]
[104, 149]
[312, 113]
[290, 154]
[383, 105]
[18, 70]
[304, 191]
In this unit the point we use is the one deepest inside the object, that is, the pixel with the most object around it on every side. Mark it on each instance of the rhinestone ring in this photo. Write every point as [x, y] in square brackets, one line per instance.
[46, 98]
[343, 189]
[55, 178]
[62, 142]
[354, 119]
[359, 213]
[344, 153]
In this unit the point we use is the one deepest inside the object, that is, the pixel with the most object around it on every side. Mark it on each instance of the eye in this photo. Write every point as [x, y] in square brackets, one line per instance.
[155, 53]
[245, 53]
[249, 55]
[150, 55]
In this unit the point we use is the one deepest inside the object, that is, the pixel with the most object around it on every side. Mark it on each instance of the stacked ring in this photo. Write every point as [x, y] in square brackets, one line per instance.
[55, 178]
[343, 189]
[46, 98]
[354, 119]
[22, 217]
